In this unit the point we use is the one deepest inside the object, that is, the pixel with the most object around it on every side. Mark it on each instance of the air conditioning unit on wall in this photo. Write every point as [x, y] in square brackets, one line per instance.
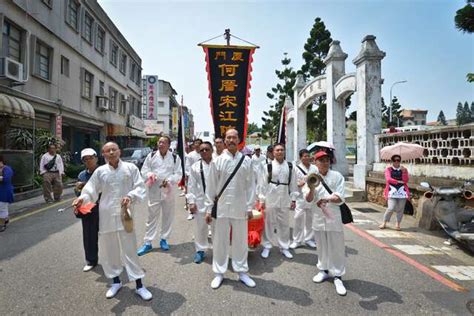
[11, 69]
[103, 102]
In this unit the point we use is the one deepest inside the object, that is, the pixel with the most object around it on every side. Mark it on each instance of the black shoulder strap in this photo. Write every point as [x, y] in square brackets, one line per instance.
[326, 186]
[174, 157]
[202, 178]
[269, 169]
[290, 166]
[301, 169]
[231, 176]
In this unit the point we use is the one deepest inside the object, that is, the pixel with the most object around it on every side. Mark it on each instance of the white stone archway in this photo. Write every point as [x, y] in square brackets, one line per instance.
[366, 82]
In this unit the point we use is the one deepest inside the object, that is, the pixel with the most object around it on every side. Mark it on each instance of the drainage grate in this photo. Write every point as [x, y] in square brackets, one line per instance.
[366, 210]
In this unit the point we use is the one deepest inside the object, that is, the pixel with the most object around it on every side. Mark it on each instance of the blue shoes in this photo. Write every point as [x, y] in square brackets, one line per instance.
[146, 248]
[164, 245]
[199, 257]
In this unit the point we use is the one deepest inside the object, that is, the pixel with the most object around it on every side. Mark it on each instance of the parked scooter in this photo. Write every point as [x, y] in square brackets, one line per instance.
[451, 212]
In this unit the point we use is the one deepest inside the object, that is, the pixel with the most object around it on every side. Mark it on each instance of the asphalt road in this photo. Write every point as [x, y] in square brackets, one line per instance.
[41, 260]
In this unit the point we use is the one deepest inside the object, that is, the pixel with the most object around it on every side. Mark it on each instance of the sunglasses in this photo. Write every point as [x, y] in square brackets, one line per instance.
[396, 160]
[204, 150]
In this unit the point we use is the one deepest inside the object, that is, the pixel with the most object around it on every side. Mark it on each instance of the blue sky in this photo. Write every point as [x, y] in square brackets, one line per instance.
[419, 38]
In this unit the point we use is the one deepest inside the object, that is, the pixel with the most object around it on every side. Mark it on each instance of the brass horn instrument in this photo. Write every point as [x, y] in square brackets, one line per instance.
[468, 194]
[313, 180]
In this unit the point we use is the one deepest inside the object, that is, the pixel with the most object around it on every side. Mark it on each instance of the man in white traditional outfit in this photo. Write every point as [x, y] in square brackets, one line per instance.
[197, 186]
[220, 146]
[190, 160]
[257, 158]
[327, 223]
[303, 224]
[162, 172]
[233, 208]
[277, 192]
[121, 185]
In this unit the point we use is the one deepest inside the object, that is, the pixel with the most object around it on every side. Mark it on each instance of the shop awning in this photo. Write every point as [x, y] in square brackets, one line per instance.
[137, 133]
[15, 107]
[124, 131]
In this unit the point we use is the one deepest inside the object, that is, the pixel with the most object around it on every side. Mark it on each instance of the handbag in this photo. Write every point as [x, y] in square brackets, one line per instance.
[346, 214]
[48, 166]
[214, 207]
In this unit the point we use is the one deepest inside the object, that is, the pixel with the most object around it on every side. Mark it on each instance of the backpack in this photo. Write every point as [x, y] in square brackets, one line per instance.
[269, 169]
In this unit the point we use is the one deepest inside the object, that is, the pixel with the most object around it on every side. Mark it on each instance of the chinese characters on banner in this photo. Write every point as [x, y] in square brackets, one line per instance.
[229, 73]
[151, 96]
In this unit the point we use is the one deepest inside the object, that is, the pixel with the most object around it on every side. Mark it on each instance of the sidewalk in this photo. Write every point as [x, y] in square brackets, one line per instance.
[37, 202]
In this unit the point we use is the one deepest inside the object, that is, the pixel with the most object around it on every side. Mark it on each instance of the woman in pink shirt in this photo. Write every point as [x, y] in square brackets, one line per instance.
[396, 191]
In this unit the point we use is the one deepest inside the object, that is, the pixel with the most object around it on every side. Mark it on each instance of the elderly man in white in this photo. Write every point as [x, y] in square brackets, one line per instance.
[233, 209]
[120, 184]
[162, 172]
[197, 185]
[327, 223]
[303, 231]
[277, 192]
[189, 160]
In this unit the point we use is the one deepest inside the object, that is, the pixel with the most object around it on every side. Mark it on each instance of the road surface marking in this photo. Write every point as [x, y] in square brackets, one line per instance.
[389, 234]
[438, 277]
[418, 250]
[50, 206]
[464, 273]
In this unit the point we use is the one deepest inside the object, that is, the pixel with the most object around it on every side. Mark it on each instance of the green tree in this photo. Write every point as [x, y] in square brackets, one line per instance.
[467, 113]
[441, 118]
[396, 113]
[252, 128]
[283, 88]
[464, 19]
[460, 114]
[315, 50]
[472, 111]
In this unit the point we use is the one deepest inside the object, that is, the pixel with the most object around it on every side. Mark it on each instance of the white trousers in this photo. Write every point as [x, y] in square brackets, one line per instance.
[277, 219]
[119, 249]
[222, 245]
[4, 210]
[303, 230]
[201, 231]
[165, 208]
[331, 252]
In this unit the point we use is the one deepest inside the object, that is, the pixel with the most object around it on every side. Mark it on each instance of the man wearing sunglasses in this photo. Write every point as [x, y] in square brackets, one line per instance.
[197, 182]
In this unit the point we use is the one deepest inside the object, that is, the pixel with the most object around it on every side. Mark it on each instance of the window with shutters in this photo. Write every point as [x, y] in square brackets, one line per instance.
[87, 84]
[113, 99]
[43, 58]
[113, 53]
[88, 27]
[64, 66]
[100, 40]
[72, 14]
[123, 63]
[12, 41]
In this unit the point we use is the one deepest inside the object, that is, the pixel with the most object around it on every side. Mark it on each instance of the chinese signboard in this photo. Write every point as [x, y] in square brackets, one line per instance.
[59, 127]
[174, 120]
[229, 73]
[151, 97]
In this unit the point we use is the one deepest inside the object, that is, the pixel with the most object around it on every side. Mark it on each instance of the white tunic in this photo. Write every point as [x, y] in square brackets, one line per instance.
[114, 184]
[301, 201]
[58, 166]
[239, 196]
[257, 161]
[335, 182]
[190, 160]
[196, 194]
[274, 195]
[164, 168]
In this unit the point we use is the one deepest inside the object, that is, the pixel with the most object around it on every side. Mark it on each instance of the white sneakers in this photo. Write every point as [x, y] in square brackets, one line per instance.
[294, 245]
[217, 281]
[265, 253]
[144, 293]
[310, 243]
[340, 288]
[245, 279]
[87, 268]
[190, 217]
[287, 253]
[320, 277]
[113, 290]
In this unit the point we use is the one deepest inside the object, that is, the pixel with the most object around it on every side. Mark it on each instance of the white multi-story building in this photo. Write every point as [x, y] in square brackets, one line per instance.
[72, 71]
